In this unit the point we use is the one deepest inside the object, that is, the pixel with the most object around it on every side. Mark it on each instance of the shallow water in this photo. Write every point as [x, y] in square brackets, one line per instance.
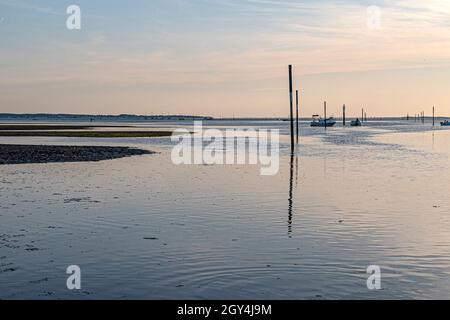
[142, 227]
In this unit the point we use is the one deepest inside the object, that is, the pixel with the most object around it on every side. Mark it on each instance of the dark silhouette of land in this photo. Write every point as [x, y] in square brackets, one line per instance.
[21, 154]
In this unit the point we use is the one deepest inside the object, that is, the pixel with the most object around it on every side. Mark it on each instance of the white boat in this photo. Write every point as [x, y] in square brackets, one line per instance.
[319, 122]
[445, 123]
[356, 123]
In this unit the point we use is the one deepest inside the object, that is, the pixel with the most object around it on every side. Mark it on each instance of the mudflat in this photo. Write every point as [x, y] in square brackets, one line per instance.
[24, 127]
[87, 134]
[20, 154]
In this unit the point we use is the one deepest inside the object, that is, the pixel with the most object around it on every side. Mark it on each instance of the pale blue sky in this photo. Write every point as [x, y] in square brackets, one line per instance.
[220, 57]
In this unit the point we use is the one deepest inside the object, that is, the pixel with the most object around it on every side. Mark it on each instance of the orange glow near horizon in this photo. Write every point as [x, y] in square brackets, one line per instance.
[226, 58]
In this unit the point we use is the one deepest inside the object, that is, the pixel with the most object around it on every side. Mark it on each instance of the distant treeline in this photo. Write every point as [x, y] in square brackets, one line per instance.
[87, 117]
[133, 117]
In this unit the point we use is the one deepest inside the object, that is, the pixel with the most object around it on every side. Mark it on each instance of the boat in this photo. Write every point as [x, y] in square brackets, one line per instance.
[356, 123]
[319, 122]
[445, 123]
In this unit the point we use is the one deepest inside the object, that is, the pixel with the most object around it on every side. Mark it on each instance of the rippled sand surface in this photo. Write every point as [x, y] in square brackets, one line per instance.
[142, 227]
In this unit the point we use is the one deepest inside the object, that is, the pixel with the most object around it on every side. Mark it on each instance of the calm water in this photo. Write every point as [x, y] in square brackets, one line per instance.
[142, 227]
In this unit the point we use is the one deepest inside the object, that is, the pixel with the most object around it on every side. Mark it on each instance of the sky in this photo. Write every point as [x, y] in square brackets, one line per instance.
[225, 57]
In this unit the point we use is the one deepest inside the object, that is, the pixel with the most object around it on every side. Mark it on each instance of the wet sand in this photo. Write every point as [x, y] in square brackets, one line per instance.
[20, 154]
[145, 228]
[23, 127]
[87, 134]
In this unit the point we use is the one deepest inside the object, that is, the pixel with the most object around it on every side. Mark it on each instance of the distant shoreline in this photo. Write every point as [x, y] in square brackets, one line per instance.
[96, 118]
[45, 117]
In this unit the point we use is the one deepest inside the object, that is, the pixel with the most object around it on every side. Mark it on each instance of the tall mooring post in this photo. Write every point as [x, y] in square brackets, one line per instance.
[343, 115]
[291, 108]
[433, 117]
[296, 112]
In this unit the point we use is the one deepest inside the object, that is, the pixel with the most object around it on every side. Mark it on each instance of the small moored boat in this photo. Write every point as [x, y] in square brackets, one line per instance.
[319, 122]
[445, 123]
[356, 123]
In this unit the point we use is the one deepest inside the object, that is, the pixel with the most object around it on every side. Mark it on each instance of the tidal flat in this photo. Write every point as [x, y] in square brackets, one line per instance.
[86, 134]
[143, 228]
[20, 154]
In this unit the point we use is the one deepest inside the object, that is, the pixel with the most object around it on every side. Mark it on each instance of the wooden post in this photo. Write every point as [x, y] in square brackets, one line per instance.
[296, 113]
[362, 115]
[343, 115]
[433, 116]
[291, 108]
[365, 117]
[325, 113]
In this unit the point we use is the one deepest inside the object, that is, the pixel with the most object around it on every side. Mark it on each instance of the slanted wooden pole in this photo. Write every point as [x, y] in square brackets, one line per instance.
[296, 113]
[343, 115]
[291, 108]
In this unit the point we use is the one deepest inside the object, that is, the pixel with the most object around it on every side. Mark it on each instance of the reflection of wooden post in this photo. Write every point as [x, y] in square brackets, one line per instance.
[343, 115]
[296, 108]
[291, 105]
[291, 197]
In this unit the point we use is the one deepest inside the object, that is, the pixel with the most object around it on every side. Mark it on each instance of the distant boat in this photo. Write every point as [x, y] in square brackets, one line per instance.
[356, 123]
[445, 123]
[319, 122]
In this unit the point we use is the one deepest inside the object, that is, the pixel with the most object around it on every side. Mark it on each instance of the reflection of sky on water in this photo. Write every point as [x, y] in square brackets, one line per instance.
[348, 199]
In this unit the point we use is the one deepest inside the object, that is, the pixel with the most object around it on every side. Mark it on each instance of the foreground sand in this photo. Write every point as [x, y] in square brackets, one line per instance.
[18, 154]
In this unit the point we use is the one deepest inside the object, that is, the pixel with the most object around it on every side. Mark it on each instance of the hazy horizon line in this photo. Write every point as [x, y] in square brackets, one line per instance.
[43, 114]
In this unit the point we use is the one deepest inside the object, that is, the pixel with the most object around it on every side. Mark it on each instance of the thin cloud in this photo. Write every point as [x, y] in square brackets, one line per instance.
[21, 5]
